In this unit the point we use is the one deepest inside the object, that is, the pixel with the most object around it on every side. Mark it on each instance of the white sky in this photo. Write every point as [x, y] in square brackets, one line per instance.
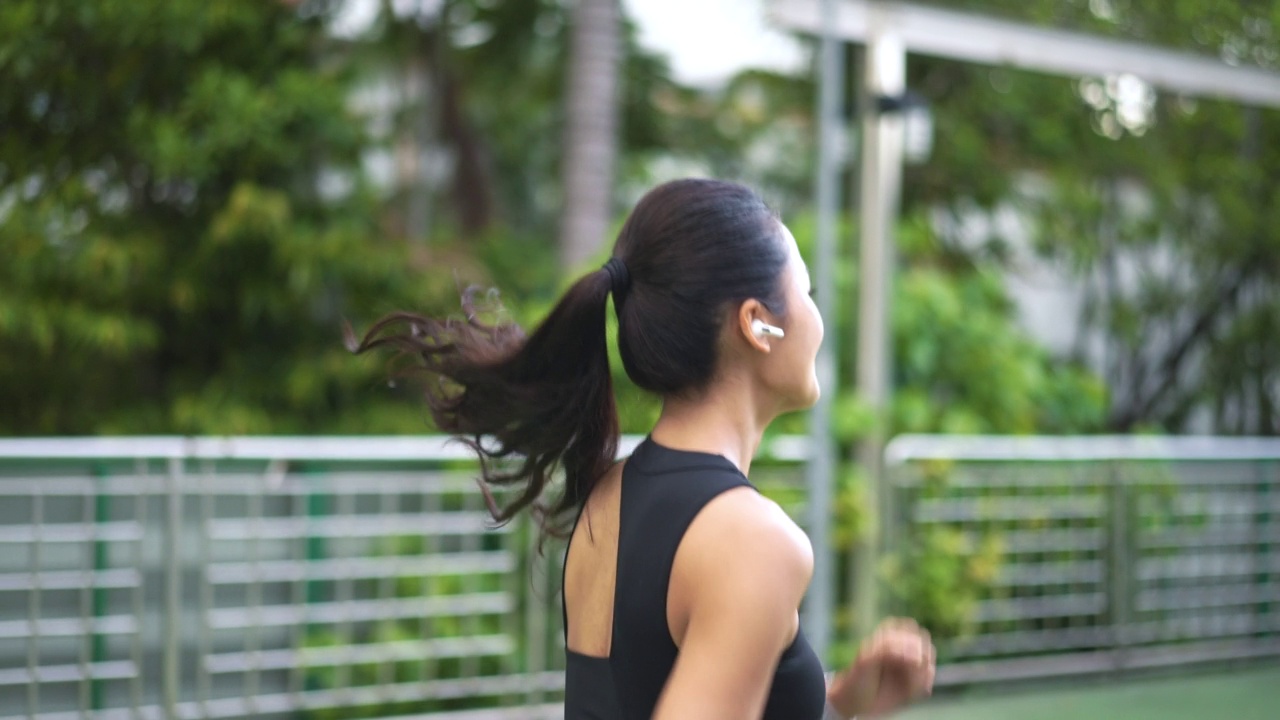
[706, 41]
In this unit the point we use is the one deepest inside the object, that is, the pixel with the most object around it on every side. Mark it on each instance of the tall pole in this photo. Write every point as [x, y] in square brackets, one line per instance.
[591, 130]
[822, 464]
[880, 187]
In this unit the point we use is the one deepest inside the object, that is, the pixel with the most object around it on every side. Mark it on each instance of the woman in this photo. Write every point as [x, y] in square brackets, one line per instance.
[682, 583]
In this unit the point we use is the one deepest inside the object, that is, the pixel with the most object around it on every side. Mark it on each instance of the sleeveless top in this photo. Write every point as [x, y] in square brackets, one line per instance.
[662, 490]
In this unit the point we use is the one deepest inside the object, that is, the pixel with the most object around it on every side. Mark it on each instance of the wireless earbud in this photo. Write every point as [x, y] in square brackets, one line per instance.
[761, 328]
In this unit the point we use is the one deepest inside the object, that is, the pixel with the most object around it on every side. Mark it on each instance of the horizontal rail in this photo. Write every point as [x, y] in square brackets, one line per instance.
[69, 627]
[1059, 606]
[395, 651]
[372, 448]
[71, 580]
[1006, 508]
[111, 670]
[240, 573]
[1103, 661]
[353, 526]
[1057, 573]
[976, 38]
[1216, 596]
[1199, 567]
[483, 686]
[361, 610]
[122, 531]
[1001, 448]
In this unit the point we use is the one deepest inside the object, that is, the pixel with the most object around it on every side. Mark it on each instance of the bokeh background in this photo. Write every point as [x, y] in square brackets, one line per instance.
[196, 197]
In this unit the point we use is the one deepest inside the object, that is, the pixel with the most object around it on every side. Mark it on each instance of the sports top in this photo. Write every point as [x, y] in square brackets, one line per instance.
[663, 489]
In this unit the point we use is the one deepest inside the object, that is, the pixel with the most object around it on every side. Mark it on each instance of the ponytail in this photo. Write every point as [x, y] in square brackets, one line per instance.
[545, 402]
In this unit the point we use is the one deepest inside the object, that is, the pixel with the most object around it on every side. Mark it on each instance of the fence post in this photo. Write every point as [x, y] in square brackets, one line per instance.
[101, 559]
[535, 614]
[1262, 545]
[1119, 547]
[173, 586]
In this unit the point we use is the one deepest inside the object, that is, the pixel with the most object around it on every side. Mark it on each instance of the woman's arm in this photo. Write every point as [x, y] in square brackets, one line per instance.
[737, 580]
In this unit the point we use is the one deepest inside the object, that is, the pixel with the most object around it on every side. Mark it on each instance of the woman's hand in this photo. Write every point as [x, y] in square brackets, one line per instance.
[895, 666]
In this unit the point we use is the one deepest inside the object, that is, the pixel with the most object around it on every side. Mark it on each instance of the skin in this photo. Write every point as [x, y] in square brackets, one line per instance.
[741, 546]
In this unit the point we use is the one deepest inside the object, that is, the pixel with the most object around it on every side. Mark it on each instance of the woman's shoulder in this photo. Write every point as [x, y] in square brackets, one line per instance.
[740, 531]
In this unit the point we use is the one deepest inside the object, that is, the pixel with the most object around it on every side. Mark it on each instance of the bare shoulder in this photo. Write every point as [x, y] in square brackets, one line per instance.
[739, 575]
[741, 541]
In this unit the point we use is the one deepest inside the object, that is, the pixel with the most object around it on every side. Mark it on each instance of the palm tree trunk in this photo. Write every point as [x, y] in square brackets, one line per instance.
[591, 130]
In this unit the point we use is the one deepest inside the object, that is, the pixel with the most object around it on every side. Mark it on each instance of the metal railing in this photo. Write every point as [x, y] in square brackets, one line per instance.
[326, 578]
[1100, 553]
[312, 578]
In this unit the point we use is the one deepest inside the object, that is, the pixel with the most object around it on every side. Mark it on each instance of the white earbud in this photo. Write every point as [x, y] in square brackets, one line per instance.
[761, 328]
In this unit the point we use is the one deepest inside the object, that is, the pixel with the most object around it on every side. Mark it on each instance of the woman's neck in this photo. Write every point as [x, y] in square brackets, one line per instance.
[723, 421]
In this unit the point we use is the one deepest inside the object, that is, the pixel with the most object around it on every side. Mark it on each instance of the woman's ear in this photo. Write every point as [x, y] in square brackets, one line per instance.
[748, 312]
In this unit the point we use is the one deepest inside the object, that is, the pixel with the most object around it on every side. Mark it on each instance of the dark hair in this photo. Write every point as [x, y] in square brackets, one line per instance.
[692, 248]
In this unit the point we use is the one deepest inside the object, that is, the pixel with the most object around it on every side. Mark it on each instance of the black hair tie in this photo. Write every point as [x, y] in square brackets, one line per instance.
[619, 278]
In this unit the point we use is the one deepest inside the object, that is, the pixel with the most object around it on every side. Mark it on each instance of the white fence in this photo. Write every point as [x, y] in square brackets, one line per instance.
[327, 578]
[1113, 552]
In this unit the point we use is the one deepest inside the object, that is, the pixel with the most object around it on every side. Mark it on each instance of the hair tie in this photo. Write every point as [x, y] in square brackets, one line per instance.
[619, 278]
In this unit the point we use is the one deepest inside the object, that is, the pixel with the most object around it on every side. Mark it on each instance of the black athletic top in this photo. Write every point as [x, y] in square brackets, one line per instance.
[662, 490]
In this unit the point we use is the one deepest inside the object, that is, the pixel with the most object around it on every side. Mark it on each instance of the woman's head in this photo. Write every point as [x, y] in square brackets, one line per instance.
[705, 259]
[694, 267]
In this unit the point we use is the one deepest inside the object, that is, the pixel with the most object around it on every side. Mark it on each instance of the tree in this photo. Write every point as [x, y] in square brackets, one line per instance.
[590, 137]
[1160, 206]
[184, 227]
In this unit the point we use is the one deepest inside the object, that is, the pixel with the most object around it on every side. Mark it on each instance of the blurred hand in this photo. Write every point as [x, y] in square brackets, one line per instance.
[894, 667]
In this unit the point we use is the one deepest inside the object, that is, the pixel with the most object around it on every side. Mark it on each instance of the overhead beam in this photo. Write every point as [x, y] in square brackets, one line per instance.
[989, 41]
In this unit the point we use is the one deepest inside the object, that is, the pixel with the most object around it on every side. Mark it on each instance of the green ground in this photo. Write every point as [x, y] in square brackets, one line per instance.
[1248, 694]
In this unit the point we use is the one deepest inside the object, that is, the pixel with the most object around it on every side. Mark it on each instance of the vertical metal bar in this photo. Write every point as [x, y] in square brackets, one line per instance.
[471, 626]
[388, 504]
[141, 498]
[885, 75]
[172, 554]
[1119, 548]
[87, 614]
[1260, 549]
[253, 628]
[33, 609]
[510, 582]
[298, 596]
[101, 513]
[318, 506]
[821, 462]
[346, 631]
[205, 642]
[431, 504]
[535, 617]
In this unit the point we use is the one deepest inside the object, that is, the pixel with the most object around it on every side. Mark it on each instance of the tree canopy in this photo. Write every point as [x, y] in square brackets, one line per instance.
[188, 212]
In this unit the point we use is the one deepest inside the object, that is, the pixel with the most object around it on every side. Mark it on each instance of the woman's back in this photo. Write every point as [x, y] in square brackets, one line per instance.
[622, 626]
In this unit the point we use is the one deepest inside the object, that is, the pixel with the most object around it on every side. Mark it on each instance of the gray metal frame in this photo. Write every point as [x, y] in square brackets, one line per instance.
[889, 30]
[167, 577]
[1120, 552]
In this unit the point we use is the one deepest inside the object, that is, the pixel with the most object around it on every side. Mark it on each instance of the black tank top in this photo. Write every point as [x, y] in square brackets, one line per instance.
[662, 490]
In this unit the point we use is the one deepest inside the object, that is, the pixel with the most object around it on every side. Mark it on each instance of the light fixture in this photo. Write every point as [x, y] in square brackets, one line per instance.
[917, 124]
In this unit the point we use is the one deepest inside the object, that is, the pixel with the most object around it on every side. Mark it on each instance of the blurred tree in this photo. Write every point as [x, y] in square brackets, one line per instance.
[501, 130]
[183, 223]
[1161, 207]
[590, 139]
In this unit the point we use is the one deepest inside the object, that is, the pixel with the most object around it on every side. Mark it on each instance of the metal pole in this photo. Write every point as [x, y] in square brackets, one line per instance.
[885, 75]
[821, 466]
[173, 588]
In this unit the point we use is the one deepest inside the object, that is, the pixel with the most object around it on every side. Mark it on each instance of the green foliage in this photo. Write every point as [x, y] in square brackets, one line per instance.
[1160, 206]
[940, 579]
[398, 641]
[176, 258]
